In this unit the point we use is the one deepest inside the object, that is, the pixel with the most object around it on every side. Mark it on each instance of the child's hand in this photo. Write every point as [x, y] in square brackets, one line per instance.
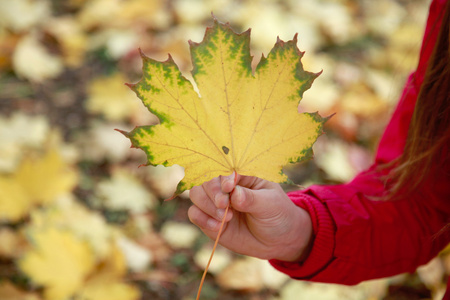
[262, 220]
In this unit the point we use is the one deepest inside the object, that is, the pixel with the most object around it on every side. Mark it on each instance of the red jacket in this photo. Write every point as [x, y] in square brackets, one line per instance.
[357, 238]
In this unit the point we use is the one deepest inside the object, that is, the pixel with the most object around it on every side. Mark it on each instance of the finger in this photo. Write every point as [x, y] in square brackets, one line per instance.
[228, 183]
[204, 221]
[202, 200]
[215, 193]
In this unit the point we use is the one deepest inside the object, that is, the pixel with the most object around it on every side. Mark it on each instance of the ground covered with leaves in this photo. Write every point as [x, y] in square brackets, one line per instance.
[80, 220]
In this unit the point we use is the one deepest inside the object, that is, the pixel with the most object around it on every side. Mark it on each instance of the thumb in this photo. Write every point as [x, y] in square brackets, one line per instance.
[258, 202]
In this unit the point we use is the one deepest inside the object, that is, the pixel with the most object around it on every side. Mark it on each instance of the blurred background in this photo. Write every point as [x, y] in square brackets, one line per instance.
[80, 220]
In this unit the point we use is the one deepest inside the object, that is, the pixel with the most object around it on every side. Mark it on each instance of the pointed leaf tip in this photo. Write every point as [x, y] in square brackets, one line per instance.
[125, 133]
[169, 58]
[141, 53]
[132, 86]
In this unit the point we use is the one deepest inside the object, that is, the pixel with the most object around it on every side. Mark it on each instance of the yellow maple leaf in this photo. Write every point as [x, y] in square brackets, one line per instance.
[102, 288]
[37, 180]
[46, 177]
[241, 122]
[70, 215]
[107, 283]
[59, 261]
[14, 202]
[106, 96]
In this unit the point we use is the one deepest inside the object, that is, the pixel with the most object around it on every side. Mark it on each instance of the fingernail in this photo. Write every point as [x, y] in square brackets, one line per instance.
[220, 213]
[211, 224]
[228, 183]
[232, 176]
[237, 191]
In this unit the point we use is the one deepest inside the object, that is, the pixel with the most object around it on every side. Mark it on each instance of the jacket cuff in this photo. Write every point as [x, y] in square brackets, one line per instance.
[323, 244]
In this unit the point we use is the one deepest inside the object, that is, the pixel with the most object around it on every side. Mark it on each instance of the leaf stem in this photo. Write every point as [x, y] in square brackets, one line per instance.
[216, 241]
[212, 253]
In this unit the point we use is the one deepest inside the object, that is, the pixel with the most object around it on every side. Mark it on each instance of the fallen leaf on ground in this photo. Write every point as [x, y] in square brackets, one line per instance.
[333, 157]
[20, 132]
[32, 61]
[164, 179]
[242, 274]
[101, 142]
[32, 13]
[37, 180]
[107, 281]
[137, 257]
[14, 202]
[73, 41]
[68, 214]
[179, 235]
[222, 258]
[44, 178]
[111, 98]
[250, 274]
[59, 261]
[125, 192]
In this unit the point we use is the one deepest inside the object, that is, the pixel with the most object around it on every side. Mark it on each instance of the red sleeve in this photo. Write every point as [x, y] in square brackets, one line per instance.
[357, 238]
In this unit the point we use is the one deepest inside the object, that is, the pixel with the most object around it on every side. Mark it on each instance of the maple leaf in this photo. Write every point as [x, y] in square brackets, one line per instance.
[44, 178]
[14, 203]
[38, 180]
[106, 95]
[59, 260]
[241, 122]
[107, 281]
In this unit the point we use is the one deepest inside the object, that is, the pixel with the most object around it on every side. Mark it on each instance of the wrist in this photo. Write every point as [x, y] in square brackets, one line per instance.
[298, 242]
